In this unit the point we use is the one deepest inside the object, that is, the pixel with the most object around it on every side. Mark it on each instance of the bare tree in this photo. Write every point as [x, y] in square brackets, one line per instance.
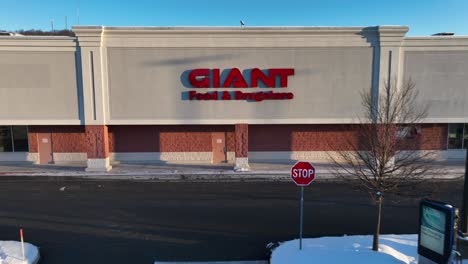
[384, 153]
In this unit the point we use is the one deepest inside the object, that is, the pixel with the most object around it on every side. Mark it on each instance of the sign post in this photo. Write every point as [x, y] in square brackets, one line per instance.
[301, 216]
[22, 243]
[302, 173]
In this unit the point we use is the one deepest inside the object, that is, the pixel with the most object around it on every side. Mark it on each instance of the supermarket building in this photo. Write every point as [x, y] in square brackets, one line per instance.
[217, 94]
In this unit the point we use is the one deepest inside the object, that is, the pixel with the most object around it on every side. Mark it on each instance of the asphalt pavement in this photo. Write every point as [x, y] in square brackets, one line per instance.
[123, 221]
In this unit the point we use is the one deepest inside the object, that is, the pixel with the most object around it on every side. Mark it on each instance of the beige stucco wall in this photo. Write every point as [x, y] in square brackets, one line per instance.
[441, 77]
[38, 81]
[151, 84]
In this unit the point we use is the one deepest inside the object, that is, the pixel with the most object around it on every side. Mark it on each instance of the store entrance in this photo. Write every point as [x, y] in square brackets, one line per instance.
[45, 148]
[218, 142]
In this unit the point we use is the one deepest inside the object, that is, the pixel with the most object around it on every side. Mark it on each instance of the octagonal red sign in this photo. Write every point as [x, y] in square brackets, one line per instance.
[303, 173]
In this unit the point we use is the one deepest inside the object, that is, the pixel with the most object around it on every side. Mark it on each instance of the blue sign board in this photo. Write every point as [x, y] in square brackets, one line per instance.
[436, 223]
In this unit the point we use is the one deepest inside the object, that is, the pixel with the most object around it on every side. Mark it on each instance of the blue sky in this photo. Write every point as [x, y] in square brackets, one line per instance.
[424, 17]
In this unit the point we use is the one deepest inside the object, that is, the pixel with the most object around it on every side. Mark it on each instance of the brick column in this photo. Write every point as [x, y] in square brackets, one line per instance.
[33, 154]
[97, 148]
[242, 147]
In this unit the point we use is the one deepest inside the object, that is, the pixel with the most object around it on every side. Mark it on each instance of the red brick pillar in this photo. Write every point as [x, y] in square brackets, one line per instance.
[97, 148]
[33, 147]
[242, 147]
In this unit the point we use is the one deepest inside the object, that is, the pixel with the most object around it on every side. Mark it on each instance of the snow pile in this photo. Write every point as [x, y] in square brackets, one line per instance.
[348, 249]
[10, 253]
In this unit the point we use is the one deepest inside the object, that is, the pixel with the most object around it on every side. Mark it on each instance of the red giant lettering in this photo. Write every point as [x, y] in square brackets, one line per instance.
[235, 79]
[215, 78]
[257, 74]
[200, 82]
[283, 74]
[206, 78]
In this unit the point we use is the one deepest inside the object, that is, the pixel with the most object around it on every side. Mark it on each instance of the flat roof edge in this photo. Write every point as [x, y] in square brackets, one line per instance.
[235, 28]
[34, 37]
[436, 37]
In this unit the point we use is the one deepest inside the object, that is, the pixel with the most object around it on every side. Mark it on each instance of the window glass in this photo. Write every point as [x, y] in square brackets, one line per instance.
[465, 137]
[20, 138]
[5, 139]
[455, 136]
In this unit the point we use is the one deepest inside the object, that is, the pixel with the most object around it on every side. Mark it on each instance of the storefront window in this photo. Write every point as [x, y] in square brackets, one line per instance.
[6, 145]
[13, 138]
[20, 138]
[465, 137]
[458, 136]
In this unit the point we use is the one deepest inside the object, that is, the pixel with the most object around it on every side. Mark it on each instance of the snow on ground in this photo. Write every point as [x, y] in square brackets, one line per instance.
[348, 249]
[10, 253]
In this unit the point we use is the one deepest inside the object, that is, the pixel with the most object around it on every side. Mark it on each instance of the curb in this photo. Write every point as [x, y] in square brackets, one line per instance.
[275, 176]
[214, 262]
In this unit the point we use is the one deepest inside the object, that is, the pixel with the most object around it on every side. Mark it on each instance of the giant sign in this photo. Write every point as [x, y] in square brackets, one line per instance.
[234, 78]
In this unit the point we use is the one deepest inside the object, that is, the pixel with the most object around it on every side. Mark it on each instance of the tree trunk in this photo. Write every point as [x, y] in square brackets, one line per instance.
[375, 242]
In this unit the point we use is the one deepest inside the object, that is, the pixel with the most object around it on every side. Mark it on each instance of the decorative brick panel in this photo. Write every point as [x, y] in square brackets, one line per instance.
[97, 142]
[132, 139]
[231, 140]
[166, 138]
[32, 139]
[242, 140]
[192, 141]
[65, 139]
[323, 137]
[432, 137]
[437, 135]
[197, 138]
[320, 137]
[330, 137]
[69, 139]
[111, 137]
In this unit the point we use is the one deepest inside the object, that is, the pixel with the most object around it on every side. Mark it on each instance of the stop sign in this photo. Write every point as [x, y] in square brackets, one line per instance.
[303, 173]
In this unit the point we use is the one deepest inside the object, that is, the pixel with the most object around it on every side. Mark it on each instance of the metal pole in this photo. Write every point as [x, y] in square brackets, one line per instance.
[78, 11]
[464, 225]
[301, 217]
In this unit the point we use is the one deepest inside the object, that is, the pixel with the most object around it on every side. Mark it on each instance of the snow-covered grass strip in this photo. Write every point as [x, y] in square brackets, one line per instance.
[348, 249]
[214, 262]
[10, 253]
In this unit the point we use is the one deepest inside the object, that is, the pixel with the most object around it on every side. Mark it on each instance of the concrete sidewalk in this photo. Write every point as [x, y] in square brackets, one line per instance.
[175, 171]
